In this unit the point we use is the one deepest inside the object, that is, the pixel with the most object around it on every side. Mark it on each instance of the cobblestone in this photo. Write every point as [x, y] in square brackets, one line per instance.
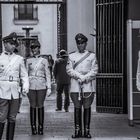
[59, 125]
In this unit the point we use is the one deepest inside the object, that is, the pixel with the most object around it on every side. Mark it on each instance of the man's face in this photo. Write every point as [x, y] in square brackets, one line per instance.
[9, 46]
[35, 51]
[81, 46]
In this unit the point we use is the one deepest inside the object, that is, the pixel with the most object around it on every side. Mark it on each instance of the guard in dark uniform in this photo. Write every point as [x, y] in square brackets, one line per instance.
[12, 71]
[62, 80]
[40, 85]
[82, 68]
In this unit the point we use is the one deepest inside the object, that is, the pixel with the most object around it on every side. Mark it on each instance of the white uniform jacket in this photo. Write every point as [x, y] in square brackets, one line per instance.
[87, 68]
[39, 74]
[12, 72]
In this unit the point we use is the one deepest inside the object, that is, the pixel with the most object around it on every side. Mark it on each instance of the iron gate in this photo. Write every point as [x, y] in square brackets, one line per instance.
[109, 49]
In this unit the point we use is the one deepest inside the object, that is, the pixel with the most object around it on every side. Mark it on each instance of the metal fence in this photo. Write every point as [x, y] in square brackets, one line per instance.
[109, 21]
[33, 1]
[61, 26]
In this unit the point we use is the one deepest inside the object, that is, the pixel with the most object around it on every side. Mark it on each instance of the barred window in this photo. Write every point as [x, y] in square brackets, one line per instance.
[25, 11]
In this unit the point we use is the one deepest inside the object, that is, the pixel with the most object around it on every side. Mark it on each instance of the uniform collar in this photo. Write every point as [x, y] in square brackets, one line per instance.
[8, 53]
[36, 56]
[83, 52]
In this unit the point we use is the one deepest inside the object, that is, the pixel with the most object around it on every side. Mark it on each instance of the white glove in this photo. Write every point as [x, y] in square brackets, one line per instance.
[24, 92]
[48, 92]
[82, 79]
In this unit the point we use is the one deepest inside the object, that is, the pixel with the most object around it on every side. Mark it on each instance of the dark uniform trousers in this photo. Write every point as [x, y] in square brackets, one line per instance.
[85, 103]
[37, 98]
[86, 99]
[60, 88]
[9, 109]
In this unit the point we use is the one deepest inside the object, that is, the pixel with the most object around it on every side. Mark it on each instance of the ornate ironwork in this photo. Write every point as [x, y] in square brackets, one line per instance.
[61, 27]
[110, 47]
[27, 39]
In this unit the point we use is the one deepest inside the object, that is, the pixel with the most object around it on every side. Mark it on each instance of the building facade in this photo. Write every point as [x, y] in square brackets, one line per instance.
[55, 24]
[45, 18]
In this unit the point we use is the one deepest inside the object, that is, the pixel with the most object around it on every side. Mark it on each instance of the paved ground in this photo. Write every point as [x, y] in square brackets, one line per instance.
[59, 125]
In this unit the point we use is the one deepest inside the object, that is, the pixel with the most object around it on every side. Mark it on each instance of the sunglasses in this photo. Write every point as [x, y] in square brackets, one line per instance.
[12, 43]
[79, 43]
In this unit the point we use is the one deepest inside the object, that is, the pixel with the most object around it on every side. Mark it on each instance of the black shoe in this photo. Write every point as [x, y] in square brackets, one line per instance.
[138, 137]
[77, 134]
[87, 134]
[66, 110]
[40, 130]
[34, 130]
[58, 109]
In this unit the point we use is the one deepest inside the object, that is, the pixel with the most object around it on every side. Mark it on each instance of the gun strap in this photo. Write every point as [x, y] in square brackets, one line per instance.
[81, 60]
[38, 64]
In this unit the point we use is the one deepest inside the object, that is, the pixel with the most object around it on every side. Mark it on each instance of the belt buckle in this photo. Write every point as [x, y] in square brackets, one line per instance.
[10, 78]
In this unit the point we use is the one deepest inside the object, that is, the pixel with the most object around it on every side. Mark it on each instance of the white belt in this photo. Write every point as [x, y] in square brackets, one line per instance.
[9, 78]
[36, 76]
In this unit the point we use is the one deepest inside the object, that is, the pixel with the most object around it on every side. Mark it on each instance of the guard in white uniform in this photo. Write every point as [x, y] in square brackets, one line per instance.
[82, 68]
[40, 84]
[12, 71]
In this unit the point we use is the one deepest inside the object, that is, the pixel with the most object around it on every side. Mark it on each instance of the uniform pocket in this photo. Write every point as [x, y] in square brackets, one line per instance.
[1, 67]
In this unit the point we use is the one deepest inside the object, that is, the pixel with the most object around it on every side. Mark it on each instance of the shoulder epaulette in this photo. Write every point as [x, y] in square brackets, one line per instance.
[44, 56]
[72, 52]
[91, 51]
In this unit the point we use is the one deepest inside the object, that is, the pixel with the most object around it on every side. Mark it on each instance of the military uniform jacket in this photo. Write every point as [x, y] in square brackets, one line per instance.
[12, 72]
[87, 69]
[39, 74]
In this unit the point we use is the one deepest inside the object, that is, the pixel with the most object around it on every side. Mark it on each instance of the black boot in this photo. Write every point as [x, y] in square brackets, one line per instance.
[78, 123]
[10, 131]
[1, 129]
[40, 120]
[87, 115]
[33, 120]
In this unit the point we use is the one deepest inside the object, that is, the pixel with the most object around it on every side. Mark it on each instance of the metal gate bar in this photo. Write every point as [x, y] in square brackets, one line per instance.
[61, 26]
[110, 55]
[0, 30]
[32, 1]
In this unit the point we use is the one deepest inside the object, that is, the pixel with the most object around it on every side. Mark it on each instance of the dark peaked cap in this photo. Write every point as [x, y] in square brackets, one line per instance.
[11, 37]
[80, 38]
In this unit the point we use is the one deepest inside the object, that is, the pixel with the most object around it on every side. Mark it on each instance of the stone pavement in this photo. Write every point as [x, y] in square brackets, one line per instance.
[59, 125]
